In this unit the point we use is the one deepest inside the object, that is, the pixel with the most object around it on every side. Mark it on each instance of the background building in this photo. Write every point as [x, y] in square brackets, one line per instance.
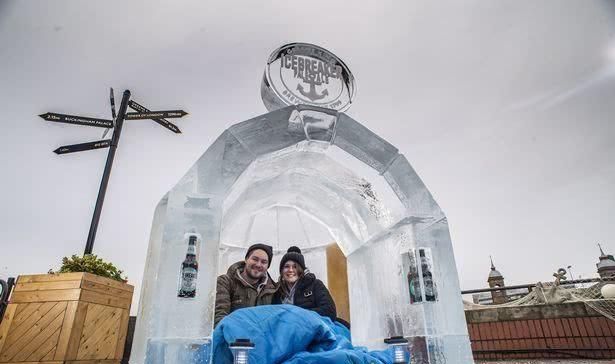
[605, 265]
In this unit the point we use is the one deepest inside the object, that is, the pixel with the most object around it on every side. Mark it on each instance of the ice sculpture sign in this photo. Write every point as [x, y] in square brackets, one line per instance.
[301, 73]
[307, 174]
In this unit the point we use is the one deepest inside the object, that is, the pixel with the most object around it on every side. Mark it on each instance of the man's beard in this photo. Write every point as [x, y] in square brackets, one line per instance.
[251, 275]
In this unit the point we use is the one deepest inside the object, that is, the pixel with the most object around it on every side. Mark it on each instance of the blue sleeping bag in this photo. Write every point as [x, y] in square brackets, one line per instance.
[290, 335]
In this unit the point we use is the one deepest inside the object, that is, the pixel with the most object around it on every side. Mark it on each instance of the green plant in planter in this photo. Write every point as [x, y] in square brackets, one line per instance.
[91, 264]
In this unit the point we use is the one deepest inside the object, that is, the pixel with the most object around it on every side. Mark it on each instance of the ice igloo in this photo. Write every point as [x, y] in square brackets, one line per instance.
[336, 176]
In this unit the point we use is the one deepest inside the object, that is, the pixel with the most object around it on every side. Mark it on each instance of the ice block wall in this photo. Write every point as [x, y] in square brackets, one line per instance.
[345, 184]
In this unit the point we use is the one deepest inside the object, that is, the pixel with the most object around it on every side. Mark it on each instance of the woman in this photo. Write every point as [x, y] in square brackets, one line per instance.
[301, 288]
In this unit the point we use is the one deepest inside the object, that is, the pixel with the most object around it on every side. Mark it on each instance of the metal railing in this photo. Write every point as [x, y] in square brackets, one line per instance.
[530, 286]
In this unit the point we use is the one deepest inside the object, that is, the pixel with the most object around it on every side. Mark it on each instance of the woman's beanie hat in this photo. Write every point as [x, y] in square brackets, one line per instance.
[293, 253]
[266, 248]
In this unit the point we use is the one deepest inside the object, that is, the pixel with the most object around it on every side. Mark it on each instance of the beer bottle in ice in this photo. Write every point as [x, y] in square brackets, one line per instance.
[428, 283]
[189, 270]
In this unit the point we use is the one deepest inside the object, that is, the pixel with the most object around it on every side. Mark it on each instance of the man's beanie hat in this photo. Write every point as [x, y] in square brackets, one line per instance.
[266, 248]
[293, 253]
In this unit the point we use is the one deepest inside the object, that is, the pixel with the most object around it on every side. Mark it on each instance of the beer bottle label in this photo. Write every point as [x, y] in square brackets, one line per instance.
[189, 279]
[428, 282]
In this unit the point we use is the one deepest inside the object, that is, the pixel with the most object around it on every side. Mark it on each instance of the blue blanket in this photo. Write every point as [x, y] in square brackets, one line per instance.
[286, 334]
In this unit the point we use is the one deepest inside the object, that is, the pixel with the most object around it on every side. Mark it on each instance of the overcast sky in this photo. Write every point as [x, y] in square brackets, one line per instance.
[505, 109]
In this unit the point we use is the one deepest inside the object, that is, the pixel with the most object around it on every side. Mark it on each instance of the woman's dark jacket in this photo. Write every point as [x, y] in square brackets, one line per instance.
[311, 294]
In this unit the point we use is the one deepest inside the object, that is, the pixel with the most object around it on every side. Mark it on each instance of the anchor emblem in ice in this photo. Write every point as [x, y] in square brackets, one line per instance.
[312, 94]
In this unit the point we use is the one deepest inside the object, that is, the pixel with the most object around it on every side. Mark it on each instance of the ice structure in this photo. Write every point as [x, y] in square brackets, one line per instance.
[308, 176]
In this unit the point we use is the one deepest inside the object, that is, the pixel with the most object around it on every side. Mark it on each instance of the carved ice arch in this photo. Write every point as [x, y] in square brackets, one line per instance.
[224, 184]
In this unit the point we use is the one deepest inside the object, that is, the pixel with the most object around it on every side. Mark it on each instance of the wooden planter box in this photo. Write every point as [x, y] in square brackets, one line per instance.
[76, 318]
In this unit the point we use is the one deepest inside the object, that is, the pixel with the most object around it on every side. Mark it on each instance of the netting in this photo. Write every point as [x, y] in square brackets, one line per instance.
[592, 294]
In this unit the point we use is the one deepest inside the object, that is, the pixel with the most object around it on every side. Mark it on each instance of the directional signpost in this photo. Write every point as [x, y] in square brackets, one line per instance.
[155, 114]
[116, 124]
[83, 147]
[142, 109]
[112, 103]
[78, 120]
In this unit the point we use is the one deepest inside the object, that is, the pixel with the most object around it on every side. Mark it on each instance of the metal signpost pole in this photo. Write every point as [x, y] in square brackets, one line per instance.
[117, 131]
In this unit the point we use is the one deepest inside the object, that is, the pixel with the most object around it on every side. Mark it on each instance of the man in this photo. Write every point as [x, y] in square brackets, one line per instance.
[246, 283]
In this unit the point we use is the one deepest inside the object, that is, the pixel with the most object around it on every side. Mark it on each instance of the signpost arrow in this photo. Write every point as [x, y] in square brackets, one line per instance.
[79, 120]
[112, 102]
[83, 146]
[155, 114]
[167, 124]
